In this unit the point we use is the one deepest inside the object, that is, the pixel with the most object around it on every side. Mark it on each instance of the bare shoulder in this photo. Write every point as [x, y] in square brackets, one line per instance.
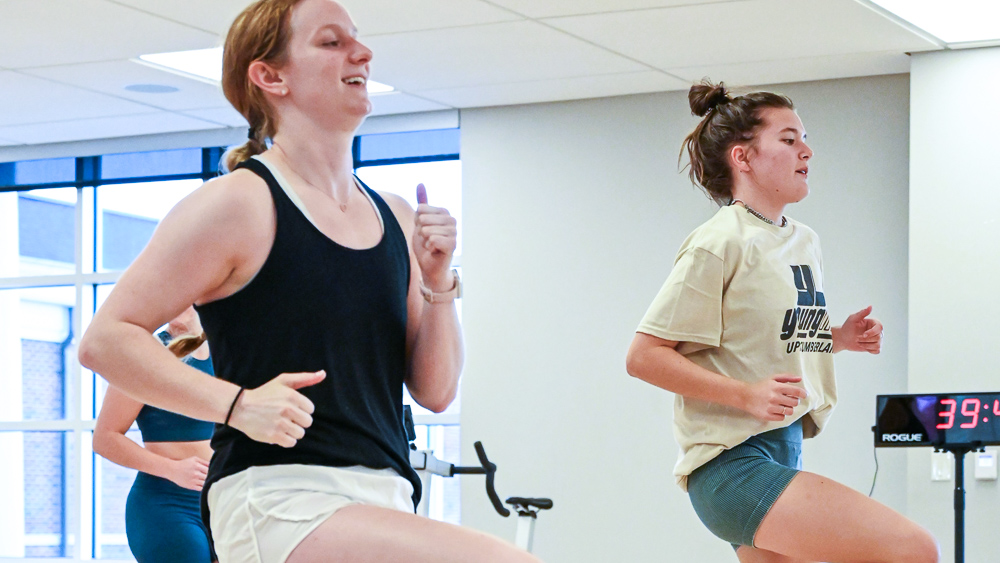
[232, 208]
[235, 196]
[208, 246]
[401, 209]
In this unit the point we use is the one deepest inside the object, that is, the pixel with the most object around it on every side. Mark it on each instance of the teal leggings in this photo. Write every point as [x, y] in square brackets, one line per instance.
[163, 523]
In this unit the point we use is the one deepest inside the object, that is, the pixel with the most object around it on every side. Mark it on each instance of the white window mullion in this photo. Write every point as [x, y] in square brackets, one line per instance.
[47, 426]
[74, 504]
[60, 280]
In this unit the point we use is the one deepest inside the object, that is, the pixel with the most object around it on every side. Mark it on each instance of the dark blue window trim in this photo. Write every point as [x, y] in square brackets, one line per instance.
[88, 169]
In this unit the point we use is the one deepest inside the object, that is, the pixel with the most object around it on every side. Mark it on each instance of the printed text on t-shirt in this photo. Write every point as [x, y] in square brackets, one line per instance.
[806, 327]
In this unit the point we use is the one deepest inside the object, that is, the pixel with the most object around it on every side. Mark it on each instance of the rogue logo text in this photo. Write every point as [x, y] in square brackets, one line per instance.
[918, 437]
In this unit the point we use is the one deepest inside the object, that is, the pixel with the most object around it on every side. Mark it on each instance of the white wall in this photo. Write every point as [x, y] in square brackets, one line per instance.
[573, 213]
[954, 265]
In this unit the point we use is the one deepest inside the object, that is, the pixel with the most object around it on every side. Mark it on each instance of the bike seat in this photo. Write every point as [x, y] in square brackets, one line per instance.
[539, 503]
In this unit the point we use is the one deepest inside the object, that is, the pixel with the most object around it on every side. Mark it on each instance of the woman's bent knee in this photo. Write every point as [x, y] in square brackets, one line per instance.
[525, 557]
[922, 547]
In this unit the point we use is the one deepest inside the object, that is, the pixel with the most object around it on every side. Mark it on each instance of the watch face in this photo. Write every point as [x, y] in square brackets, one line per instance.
[937, 420]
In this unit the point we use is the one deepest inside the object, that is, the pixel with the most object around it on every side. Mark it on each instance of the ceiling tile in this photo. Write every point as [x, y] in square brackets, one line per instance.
[372, 17]
[214, 16]
[737, 32]
[225, 115]
[377, 17]
[104, 128]
[550, 8]
[383, 104]
[559, 89]
[800, 70]
[488, 54]
[28, 99]
[112, 78]
[72, 55]
[55, 32]
[397, 102]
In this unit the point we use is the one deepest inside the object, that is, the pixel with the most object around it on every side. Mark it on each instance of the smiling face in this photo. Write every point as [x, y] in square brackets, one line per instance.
[327, 68]
[778, 159]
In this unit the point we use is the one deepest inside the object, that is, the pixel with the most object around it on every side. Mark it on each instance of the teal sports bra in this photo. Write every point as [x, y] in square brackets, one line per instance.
[158, 425]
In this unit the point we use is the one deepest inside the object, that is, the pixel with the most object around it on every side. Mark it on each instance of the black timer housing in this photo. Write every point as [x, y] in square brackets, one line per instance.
[937, 420]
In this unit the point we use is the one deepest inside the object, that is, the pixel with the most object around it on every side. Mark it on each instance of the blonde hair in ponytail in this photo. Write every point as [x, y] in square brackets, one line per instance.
[184, 345]
[260, 33]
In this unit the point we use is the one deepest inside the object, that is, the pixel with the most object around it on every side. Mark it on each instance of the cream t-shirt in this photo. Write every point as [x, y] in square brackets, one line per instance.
[745, 299]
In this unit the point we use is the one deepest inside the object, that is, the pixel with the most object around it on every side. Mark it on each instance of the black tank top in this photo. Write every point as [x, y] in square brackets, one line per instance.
[316, 305]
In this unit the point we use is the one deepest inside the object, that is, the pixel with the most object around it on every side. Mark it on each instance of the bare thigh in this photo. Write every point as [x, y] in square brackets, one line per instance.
[818, 519]
[747, 554]
[368, 534]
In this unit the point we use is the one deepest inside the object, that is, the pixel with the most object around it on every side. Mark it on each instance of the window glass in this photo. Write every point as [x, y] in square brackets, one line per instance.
[128, 214]
[445, 494]
[35, 484]
[156, 163]
[443, 180]
[46, 171]
[100, 385]
[34, 352]
[37, 232]
[114, 483]
[414, 144]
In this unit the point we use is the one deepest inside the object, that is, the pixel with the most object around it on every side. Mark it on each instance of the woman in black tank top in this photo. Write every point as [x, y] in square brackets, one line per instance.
[321, 299]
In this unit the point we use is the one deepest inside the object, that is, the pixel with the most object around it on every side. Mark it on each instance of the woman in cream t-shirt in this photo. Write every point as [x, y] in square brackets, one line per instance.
[740, 332]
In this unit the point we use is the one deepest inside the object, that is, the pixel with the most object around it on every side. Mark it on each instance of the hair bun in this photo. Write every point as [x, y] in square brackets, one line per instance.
[704, 96]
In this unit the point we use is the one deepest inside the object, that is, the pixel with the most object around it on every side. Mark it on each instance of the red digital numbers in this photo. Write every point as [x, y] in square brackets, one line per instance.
[974, 414]
[996, 407]
[949, 414]
[970, 407]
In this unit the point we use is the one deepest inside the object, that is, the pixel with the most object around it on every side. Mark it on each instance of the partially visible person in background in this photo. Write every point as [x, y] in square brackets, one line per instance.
[162, 516]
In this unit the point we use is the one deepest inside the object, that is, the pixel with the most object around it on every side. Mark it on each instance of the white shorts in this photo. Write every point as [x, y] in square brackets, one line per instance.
[261, 514]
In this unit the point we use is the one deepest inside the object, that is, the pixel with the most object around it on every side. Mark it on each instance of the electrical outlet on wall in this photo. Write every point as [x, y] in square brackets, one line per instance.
[942, 464]
[986, 465]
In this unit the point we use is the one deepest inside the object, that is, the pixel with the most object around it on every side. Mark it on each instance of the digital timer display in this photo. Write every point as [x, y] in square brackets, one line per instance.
[937, 420]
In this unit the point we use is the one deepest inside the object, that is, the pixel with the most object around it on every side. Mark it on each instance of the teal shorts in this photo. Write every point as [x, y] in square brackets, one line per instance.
[733, 492]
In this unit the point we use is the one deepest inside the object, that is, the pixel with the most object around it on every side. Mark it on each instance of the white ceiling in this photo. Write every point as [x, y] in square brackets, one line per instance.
[64, 63]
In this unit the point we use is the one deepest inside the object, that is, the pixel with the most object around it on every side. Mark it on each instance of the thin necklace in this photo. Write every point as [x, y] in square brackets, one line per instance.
[343, 206]
[757, 214]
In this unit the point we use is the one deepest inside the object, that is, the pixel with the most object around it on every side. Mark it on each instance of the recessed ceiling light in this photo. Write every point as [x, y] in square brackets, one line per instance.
[954, 21]
[206, 65]
[151, 88]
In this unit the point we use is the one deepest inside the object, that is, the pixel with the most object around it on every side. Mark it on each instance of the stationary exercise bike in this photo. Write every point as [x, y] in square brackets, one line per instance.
[427, 465]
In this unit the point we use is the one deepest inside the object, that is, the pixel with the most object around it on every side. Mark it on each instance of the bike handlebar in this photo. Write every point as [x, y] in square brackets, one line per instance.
[491, 470]
[430, 463]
